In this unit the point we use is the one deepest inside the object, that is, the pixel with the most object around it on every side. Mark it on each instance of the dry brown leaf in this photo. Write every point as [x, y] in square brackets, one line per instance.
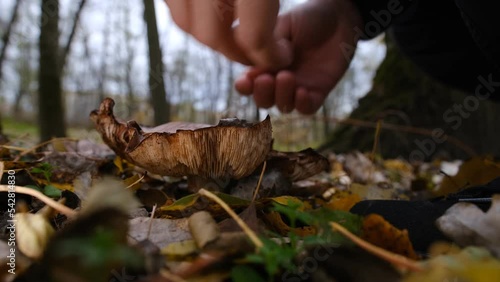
[276, 223]
[379, 232]
[203, 228]
[248, 215]
[298, 165]
[163, 231]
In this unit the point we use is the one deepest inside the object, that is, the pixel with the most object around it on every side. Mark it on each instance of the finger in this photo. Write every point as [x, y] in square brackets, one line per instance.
[308, 102]
[179, 11]
[210, 22]
[256, 34]
[212, 25]
[244, 83]
[264, 91]
[285, 91]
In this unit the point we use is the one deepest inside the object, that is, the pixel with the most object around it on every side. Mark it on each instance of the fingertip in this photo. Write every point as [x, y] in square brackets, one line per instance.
[244, 85]
[285, 91]
[307, 102]
[264, 91]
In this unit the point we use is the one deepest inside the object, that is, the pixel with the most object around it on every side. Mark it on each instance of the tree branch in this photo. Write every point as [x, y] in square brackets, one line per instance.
[67, 48]
[8, 32]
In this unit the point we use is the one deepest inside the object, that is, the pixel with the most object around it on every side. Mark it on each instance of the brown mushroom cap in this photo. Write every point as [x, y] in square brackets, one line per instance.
[231, 149]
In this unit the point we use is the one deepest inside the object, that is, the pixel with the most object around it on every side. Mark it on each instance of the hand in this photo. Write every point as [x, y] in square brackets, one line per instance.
[323, 37]
[252, 42]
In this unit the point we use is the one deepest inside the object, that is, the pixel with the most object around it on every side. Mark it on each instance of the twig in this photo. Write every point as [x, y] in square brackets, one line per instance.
[260, 181]
[43, 144]
[253, 237]
[151, 220]
[28, 191]
[393, 258]
[14, 148]
[376, 141]
[403, 128]
[137, 181]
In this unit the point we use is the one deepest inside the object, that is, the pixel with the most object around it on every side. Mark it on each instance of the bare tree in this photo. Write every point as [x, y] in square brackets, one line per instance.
[129, 59]
[67, 47]
[103, 71]
[7, 34]
[50, 104]
[52, 59]
[26, 75]
[156, 67]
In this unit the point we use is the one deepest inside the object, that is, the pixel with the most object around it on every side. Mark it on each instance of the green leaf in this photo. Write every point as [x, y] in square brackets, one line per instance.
[52, 191]
[274, 256]
[293, 210]
[34, 187]
[324, 216]
[244, 273]
[45, 169]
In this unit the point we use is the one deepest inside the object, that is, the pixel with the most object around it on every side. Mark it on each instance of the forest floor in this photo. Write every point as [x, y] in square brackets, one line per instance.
[76, 210]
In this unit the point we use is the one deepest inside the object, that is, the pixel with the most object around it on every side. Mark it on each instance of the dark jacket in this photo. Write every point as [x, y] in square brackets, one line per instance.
[455, 41]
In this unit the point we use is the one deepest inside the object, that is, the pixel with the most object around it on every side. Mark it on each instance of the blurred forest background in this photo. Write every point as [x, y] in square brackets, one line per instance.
[60, 58]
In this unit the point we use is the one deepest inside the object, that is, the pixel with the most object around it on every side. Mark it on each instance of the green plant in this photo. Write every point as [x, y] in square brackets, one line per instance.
[46, 170]
[278, 255]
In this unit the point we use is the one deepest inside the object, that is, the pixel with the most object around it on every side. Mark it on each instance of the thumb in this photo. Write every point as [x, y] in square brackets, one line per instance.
[256, 34]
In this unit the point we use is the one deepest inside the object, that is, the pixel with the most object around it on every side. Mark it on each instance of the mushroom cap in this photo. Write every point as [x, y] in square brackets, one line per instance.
[231, 149]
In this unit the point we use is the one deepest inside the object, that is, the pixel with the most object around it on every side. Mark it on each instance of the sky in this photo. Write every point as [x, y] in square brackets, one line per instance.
[101, 14]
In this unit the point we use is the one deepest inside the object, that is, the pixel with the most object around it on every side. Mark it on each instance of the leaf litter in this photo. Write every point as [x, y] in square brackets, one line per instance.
[180, 203]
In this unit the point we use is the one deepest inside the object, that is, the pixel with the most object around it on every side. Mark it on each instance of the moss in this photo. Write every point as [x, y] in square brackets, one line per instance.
[402, 94]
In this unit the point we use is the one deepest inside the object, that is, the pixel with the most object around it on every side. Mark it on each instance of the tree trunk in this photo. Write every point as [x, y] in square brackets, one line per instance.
[156, 68]
[50, 102]
[402, 94]
[6, 36]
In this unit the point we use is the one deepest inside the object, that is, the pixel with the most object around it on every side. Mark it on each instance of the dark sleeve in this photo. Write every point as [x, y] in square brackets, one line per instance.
[378, 15]
[483, 23]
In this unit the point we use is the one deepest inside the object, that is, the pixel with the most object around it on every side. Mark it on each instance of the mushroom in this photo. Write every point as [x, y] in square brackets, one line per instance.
[232, 149]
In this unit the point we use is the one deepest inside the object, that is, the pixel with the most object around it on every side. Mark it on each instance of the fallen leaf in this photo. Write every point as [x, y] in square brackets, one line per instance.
[472, 264]
[379, 232]
[248, 215]
[474, 172]
[109, 193]
[467, 225]
[160, 231]
[298, 165]
[33, 232]
[340, 200]
[203, 228]
[190, 204]
[371, 192]
[362, 170]
[180, 250]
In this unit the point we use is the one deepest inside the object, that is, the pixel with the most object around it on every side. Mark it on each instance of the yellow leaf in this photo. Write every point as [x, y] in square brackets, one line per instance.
[341, 200]
[379, 232]
[180, 249]
[476, 171]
